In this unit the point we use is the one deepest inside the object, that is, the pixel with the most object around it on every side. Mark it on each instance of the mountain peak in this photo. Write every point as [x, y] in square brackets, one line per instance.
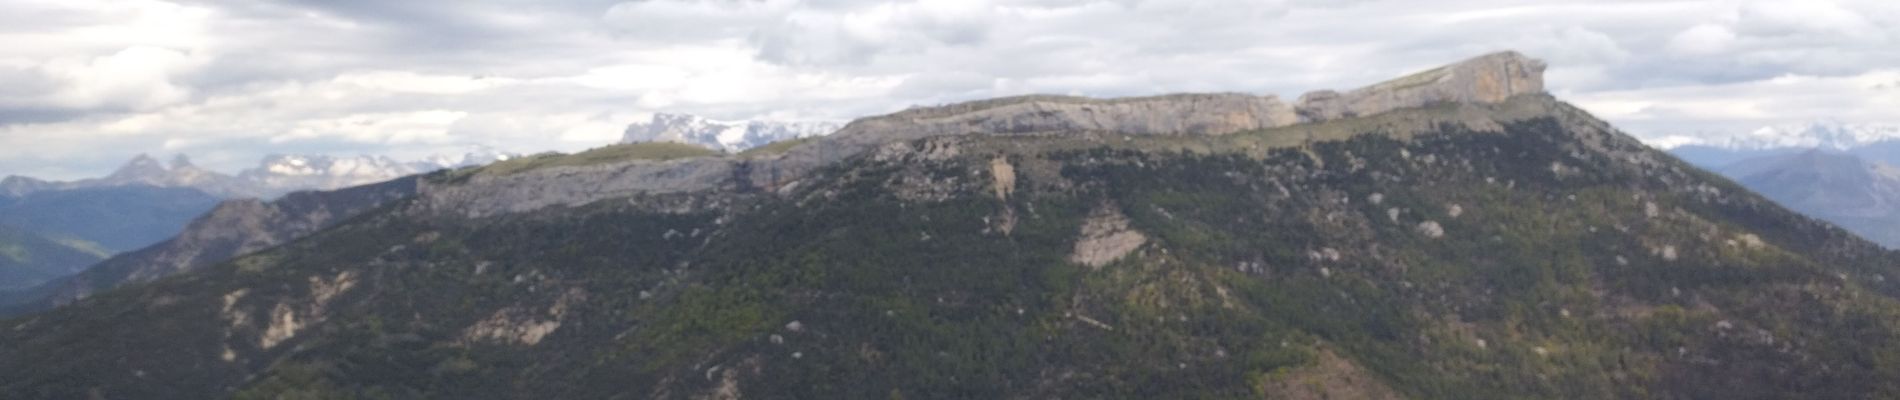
[141, 166]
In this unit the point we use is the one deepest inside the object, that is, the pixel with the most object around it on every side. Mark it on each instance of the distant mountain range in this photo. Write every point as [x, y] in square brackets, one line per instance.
[1839, 172]
[275, 176]
[50, 229]
[729, 136]
[1877, 142]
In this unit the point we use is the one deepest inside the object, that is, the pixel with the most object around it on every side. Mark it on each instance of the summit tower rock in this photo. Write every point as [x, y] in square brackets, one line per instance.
[1490, 78]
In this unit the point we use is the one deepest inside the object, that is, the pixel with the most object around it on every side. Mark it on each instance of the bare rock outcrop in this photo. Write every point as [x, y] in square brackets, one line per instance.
[1105, 237]
[1176, 114]
[1491, 78]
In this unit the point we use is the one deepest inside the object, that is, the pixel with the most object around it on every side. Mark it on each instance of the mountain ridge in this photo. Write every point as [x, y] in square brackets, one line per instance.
[1518, 248]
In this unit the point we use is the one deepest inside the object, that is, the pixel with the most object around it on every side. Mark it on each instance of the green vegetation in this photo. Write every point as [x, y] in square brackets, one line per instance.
[778, 147]
[654, 151]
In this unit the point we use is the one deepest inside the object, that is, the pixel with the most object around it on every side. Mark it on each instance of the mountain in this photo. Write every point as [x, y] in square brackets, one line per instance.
[1859, 195]
[1835, 171]
[1878, 142]
[274, 176]
[730, 136]
[234, 227]
[27, 259]
[178, 242]
[117, 218]
[141, 170]
[1452, 234]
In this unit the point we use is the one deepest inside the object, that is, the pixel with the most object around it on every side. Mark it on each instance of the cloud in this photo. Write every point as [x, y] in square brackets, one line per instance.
[85, 83]
[1660, 113]
[1702, 40]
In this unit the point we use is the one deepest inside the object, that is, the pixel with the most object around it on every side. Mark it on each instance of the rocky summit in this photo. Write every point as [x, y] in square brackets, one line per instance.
[1487, 79]
[1454, 234]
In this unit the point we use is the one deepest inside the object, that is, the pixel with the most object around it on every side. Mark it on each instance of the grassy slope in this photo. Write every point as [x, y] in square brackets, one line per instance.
[657, 151]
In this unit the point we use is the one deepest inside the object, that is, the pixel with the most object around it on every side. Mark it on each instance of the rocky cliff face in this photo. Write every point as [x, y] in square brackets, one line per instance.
[1487, 79]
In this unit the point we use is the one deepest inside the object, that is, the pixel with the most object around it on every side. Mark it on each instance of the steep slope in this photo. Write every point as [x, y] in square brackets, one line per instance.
[1516, 248]
[119, 218]
[1859, 195]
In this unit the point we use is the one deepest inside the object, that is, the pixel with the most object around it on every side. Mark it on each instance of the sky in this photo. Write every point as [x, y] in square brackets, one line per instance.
[87, 84]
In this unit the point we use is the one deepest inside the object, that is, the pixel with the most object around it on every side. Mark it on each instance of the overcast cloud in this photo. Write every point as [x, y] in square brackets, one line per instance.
[85, 84]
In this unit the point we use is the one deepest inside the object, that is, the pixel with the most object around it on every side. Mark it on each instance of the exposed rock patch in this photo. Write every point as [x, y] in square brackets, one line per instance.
[1431, 229]
[1105, 238]
[288, 318]
[1329, 377]
[523, 326]
[284, 325]
[1004, 177]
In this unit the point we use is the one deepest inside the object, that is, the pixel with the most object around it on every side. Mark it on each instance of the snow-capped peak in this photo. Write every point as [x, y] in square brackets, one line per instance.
[1824, 134]
[731, 136]
[280, 173]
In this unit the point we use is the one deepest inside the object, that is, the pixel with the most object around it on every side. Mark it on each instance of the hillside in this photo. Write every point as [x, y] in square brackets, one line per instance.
[1436, 245]
[27, 259]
